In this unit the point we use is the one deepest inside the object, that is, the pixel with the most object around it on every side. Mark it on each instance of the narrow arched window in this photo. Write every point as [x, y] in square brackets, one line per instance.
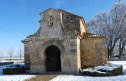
[51, 21]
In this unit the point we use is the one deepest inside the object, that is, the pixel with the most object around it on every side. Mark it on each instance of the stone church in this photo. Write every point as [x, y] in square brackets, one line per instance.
[63, 44]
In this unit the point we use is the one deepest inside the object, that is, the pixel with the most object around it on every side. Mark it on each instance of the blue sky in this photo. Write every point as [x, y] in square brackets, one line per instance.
[19, 18]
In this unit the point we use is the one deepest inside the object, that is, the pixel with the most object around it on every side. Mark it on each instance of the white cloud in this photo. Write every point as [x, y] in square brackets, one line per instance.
[58, 3]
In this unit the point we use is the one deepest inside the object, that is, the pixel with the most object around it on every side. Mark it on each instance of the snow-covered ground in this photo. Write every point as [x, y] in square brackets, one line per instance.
[89, 78]
[13, 77]
[15, 60]
[69, 77]
[120, 63]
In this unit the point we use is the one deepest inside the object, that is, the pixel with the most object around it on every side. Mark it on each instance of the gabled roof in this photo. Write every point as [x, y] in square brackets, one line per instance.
[47, 10]
[60, 10]
[36, 33]
[82, 19]
[69, 13]
[90, 35]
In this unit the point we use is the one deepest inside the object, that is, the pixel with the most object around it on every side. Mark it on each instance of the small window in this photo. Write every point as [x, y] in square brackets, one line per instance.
[50, 24]
[51, 21]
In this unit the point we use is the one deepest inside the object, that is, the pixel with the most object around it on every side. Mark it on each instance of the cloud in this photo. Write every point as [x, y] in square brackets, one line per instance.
[58, 3]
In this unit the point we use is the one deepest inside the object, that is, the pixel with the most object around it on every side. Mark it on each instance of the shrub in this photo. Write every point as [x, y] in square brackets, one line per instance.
[117, 71]
[88, 66]
[6, 63]
[14, 70]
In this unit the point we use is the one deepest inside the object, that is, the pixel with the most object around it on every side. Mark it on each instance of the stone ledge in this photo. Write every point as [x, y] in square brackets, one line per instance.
[106, 70]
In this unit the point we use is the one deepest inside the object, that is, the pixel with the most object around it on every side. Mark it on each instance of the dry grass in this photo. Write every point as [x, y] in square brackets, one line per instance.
[44, 77]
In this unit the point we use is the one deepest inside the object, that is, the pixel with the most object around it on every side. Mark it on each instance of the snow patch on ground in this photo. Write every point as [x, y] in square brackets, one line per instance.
[14, 77]
[90, 78]
[107, 67]
[120, 63]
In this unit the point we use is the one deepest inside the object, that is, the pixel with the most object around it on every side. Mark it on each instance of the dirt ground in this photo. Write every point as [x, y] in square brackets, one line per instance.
[44, 77]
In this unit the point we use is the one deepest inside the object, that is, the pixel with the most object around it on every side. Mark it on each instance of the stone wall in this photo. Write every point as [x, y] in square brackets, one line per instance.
[70, 22]
[92, 52]
[27, 55]
[104, 55]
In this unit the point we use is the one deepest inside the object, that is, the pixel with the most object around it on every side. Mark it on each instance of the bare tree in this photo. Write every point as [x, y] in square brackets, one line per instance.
[11, 52]
[112, 26]
[1, 56]
[122, 42]
[20, 54]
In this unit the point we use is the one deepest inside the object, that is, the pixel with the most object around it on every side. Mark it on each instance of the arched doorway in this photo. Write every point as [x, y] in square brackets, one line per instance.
[53, 60]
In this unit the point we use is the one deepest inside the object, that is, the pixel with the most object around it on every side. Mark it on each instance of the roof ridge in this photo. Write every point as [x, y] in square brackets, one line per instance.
[70, 13]
[90, 35]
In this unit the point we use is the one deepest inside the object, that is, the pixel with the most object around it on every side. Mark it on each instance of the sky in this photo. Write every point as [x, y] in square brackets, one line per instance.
[19, 18]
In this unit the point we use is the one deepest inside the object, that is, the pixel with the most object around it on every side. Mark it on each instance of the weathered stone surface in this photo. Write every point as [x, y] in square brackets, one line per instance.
[63, 30]
[92, 53]
[106, 70]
